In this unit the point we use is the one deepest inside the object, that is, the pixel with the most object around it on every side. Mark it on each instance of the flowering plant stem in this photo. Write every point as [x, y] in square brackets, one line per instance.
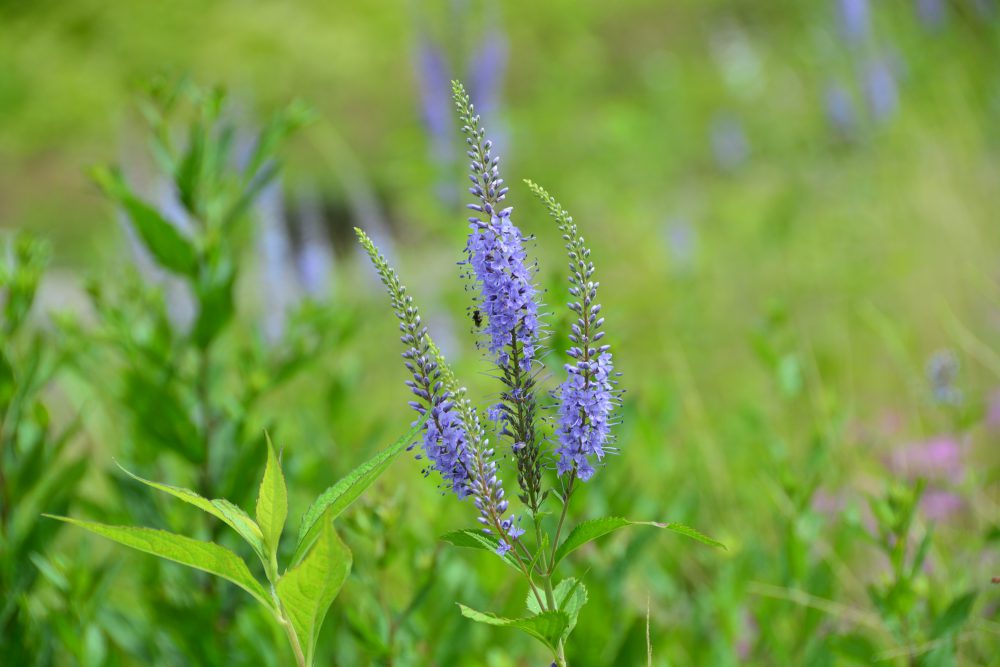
[285, 622]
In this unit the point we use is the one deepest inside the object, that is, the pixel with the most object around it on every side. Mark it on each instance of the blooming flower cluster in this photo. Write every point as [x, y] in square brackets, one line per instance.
[496, 255]
[587, 396]
[508, 299]
[444, 431]
[454, 441]
[495, 250]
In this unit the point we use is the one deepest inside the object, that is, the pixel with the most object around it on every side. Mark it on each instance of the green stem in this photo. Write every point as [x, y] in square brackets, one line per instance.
[286, 624]
[550, 597]
[562, 520]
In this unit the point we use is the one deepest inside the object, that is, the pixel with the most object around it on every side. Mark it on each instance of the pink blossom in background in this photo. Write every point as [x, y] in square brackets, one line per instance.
[940, 505]
[828, 503]
[748, 639]
[993, 411]
[939, 458]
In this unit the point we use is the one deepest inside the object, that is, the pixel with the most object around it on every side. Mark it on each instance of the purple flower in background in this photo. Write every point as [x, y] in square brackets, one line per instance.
[434, 87]
[932, 13]
[840, 111]
[314, 255]
[434, 78]
[729, 142]
[880, 89]
[942, 371]
[682, 243]
[486, 73]
[854, 19]
[275, 249]
[587, 397]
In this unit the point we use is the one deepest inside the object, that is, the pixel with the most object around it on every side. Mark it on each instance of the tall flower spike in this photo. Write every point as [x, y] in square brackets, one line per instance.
[587, 397]
[486, 487]
[508, 299]
[445, 437]
[496, 248]
[454, 440]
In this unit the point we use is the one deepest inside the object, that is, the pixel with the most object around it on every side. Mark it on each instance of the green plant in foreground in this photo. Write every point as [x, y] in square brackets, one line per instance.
[299, 597]
[177, 370]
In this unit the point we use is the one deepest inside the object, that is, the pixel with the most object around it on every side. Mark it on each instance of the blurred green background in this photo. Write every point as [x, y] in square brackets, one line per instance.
[792, 207]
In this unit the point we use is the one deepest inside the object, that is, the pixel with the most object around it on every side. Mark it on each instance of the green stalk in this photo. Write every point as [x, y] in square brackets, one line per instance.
[551, 598]
[286, 624]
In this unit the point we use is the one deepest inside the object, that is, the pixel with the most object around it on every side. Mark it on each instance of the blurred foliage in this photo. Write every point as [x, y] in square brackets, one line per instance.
[786, 236]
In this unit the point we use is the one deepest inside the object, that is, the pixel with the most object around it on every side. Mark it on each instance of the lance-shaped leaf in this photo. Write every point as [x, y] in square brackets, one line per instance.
[547, 627]
[206, 556]
[170, 248]
[332, 502]
[570, 596]
[952, 618]
[471, 538]
[595, 528]
[272, 502]
[308, 589]
[230, 514]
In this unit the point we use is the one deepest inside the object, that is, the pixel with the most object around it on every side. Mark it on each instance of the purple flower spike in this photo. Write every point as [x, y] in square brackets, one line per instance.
[495, 250]
[454, 441]
[445, 437]
[587, 398]
[496, 255]
[507, 299]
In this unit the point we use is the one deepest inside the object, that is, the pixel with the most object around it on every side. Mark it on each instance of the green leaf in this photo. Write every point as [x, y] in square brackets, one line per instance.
[570, 596]
[471, 538]
[688, 531]
[206, 556]
[230, 514]
[954, 616]
[216, 307]
[307, 590]
[272, 502]
[170, 248]
[547, 627]
[854, 647]
[595, 528]
[332, 502]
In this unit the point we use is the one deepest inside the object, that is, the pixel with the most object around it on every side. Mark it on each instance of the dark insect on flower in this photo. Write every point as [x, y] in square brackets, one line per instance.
[477, 318]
